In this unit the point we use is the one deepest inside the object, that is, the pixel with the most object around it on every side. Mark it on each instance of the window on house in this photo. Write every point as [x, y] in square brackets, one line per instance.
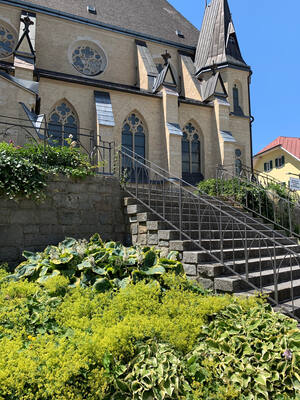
[280, 162]
[237, 109]
[268, 166]
[62, 124]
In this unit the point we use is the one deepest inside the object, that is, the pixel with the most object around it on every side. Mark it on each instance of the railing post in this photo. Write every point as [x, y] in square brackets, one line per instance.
[246, 255]
[290, 218]
[275, 271]
[180, 209]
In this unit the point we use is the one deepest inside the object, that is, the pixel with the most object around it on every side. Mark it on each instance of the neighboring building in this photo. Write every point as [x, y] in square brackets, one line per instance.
[136, 72]
[280, 159]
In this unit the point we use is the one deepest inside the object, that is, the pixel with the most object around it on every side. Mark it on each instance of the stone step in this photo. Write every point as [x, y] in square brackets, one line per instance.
[217, 244]
[190, 210]
[260, 279]
[166, 234]
[212, 270]
[198, 257]
[289, 306]
[193, 225]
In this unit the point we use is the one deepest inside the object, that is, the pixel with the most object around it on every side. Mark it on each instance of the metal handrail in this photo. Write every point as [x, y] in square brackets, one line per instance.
[142, 179]
[100, 153]
[261, 177]
[274, 208]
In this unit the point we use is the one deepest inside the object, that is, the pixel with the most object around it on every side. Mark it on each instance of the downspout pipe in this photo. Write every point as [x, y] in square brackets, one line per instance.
[251, 120]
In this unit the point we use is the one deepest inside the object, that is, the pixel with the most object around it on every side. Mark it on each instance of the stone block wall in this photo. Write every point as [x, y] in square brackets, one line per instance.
[72, 209]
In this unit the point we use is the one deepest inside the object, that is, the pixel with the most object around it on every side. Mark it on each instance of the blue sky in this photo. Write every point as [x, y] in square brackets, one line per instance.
[269, 37]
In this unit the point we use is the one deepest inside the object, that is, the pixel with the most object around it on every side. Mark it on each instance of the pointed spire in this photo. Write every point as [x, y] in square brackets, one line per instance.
[218, 42]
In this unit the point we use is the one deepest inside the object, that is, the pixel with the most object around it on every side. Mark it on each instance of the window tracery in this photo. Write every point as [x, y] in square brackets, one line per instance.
[88, 59]
[63, 124]
[133, 135]
[8, 41]
[191, 150]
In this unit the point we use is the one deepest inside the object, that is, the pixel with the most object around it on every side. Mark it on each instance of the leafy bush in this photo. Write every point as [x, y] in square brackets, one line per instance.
[247, 355]
[264, 201]
[156, 336]
[24, 170]
[142, 343]
[104, 266]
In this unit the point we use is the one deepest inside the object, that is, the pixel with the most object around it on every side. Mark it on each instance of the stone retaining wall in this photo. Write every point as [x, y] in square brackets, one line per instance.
[73, 208]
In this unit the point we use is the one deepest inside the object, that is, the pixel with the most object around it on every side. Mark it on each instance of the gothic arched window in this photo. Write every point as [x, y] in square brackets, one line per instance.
[63, 124]
[236, 93]
[134, 143]
[8, 40]
[191, 154]
[133, 135]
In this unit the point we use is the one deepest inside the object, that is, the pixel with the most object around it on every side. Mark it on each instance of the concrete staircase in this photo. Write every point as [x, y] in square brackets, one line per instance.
[232, 252]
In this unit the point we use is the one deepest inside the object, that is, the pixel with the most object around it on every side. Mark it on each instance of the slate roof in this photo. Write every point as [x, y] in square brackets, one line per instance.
[290, 144]
[155, 18]
[23, 83]
[104, 109]
[217, 40]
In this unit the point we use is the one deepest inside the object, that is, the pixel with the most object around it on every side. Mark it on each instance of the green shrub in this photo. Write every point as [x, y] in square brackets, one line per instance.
[152, 341]
[104, 266]
[24, 170]
[253, 354]
[262, 200]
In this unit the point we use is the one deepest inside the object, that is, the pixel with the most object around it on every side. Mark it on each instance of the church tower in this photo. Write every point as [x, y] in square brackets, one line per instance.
[218, 51]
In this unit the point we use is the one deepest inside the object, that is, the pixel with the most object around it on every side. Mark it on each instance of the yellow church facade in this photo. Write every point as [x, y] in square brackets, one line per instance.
[135, 73]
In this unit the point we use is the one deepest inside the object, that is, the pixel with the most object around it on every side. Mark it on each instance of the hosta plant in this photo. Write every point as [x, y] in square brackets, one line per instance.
[104, 266]
[156, 373]
[254, 354]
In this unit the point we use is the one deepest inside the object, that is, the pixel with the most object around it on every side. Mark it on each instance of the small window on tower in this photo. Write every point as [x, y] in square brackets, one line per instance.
[237, 109]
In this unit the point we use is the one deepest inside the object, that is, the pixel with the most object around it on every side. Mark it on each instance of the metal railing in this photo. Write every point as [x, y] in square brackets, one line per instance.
[262, 178]
[261, 199]
[262, 259]
[21, 131]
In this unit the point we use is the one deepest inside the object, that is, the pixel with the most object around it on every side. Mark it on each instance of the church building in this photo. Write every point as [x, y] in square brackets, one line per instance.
[133, 72]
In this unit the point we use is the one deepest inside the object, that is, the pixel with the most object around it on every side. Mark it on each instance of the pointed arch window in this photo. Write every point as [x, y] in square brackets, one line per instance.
[133, 135]
[134, 141]
[191, 154]
[63, 124]
[237, 109]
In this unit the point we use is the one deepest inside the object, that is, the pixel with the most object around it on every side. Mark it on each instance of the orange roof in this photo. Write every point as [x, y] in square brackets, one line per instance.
[290, 144]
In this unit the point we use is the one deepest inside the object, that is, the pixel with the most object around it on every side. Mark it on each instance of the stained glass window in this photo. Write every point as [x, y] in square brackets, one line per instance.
[89, 59]
[63, 124]
[191, 150]
[8, 41]
[133, 135]
[134, 141]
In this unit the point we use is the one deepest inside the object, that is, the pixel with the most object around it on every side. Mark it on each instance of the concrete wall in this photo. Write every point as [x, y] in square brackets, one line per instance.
[73, 208]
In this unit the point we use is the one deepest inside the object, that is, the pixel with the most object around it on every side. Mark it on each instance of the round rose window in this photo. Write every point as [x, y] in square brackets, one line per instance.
[8, 41]
[89, 59]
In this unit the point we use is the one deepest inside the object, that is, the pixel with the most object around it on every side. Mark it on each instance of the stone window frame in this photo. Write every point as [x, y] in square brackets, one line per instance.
[189, 131]
[65, 110]
[134, 126]
[10, 31]
[237, 98]
[88, 44]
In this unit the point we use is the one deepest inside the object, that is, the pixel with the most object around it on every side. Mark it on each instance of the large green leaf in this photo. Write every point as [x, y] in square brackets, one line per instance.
[102, 285]
[159, 270]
